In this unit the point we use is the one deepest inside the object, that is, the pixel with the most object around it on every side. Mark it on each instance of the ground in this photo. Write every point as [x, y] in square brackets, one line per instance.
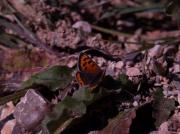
[127, 83]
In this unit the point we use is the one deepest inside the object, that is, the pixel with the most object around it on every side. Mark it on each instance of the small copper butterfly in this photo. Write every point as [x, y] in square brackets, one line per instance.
[89, 74]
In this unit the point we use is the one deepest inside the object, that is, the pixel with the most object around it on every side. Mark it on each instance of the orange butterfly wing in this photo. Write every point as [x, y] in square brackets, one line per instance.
[89, 73]
[86, 64]
[79, 79]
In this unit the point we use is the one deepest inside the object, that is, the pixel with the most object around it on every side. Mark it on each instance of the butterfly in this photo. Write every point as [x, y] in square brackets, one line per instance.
[89, 74]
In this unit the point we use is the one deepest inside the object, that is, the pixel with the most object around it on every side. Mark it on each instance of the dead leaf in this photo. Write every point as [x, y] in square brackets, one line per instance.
[119, 124]
[83, 25]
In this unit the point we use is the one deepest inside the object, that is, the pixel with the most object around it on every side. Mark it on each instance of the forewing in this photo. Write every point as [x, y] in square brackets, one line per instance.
[87, 65]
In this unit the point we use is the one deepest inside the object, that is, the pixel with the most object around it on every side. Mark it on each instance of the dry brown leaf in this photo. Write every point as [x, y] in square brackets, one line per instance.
[83, 25]
[120, 124]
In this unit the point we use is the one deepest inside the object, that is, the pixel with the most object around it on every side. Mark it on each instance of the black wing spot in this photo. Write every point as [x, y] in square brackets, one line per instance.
[84, 64]
[85, 68]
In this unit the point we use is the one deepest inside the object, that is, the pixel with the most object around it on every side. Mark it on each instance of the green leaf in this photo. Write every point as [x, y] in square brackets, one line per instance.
[162, 107]
[71, 108]
[74, 106]
[86, 96]
[10, 41]
[121, 10]
[108, 14]
[83, 94]
[12, 97]
[53, 78]
[64, 112]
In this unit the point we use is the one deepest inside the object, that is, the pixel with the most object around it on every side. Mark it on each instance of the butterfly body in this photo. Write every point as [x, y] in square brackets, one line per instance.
[89, 74]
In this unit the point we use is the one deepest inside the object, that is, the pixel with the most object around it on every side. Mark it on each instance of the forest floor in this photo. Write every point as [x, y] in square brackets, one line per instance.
[96, 67]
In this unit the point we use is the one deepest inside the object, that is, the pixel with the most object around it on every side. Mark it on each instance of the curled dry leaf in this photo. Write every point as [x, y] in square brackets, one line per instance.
[83, 25]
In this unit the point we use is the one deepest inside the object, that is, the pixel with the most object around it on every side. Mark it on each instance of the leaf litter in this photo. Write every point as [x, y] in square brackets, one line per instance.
[135, 41]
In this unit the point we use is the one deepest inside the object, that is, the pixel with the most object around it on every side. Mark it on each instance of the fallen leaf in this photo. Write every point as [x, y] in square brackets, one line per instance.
[119, 124]
[162, 107]
[83, 25]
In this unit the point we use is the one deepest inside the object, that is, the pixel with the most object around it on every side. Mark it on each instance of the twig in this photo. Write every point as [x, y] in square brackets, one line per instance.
[109, 31]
